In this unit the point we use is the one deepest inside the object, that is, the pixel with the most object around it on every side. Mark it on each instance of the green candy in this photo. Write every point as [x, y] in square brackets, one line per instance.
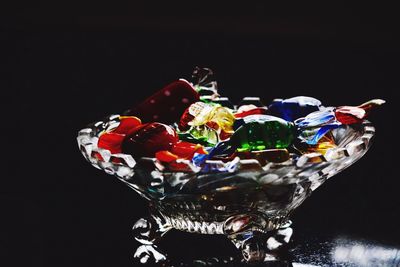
[188, 137]
[261, 132]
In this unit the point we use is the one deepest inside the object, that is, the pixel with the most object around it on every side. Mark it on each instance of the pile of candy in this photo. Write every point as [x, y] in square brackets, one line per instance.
[190, 121]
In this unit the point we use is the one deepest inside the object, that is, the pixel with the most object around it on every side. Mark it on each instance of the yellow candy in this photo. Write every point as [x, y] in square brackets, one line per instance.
[202, 113]
[322, 147]
[224, 118]
[212, 114]
[325, 143]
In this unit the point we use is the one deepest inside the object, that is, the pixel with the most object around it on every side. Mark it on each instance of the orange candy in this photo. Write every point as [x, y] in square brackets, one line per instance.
[186, 150]
[166, 156]
[181, 149]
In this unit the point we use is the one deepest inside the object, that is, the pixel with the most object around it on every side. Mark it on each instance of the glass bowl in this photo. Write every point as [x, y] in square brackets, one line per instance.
[247, 200]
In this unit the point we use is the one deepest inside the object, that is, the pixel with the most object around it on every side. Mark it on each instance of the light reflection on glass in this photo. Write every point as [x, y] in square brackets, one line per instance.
[294, 264]
[365, 253]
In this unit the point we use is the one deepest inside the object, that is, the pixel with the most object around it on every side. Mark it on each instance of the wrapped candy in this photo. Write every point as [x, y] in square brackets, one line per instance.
[209, 121]
[293, 108]
[261, 132]
[351, 115]
[186, 117]
[166, 156]
[325, 143]
[112, 138]
[111, 141]
[187, 150]
[205, 133]
[201, 112]
[317, 119]
[214, 116]
[168, 104]
[181, 149]
[258, 132]
[149, 138]
[127, 124]
[188, 126]
[315, 125]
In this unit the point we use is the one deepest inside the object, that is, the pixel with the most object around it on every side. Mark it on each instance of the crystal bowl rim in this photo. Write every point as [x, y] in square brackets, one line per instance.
[87, 141]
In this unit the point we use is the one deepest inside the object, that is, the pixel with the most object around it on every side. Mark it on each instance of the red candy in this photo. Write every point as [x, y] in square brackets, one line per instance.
[111, 141]
[187, 150]
[166, 156]
[350, 115]
[254, 111]
[148, 139]
[185, 119]
[168, 104]
[127, 124]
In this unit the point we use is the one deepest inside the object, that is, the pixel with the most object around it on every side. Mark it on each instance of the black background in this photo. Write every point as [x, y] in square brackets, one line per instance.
[64, 66]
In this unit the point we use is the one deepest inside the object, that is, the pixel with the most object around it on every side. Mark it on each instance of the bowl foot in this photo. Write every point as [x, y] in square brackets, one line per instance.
[149, 254]
[148, 231]
[261, 246]
[247, 233]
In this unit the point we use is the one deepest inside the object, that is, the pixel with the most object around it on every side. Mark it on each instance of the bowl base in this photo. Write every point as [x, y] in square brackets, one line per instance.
[256, 242]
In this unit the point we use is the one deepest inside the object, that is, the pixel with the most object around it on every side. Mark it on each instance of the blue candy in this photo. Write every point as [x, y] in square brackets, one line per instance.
[317, 118]
[222, 148]
[316, 124]
[293, 108]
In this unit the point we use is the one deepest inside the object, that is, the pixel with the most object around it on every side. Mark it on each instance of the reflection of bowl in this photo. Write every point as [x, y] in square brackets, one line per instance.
[250, 203]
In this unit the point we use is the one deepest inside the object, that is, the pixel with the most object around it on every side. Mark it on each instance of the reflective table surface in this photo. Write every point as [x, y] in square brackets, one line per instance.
[306, 250]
